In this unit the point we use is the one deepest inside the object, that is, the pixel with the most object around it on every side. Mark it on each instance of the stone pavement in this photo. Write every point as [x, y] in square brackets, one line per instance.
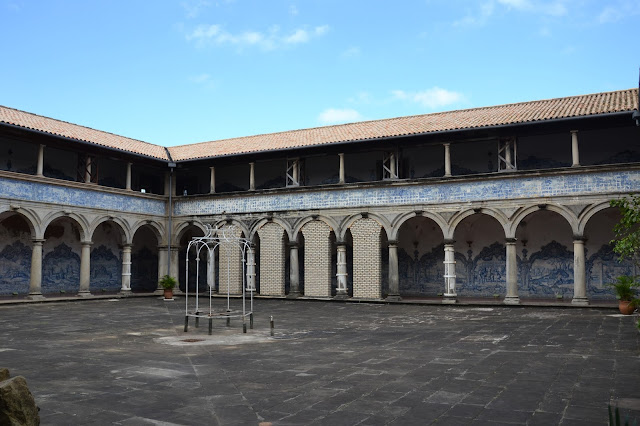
[126, 362]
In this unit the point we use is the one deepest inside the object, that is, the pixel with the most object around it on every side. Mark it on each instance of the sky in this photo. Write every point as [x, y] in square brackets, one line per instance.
[187, 71]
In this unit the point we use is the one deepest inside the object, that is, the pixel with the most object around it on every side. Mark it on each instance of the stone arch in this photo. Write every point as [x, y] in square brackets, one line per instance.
[182, 227]
[17, 236]
[154, 226]
[272, 256]
[420, 240]
[238, 224]
[125, 232]
[400, 220]
[588, 213]
[259, 224]
[145, 258]
[330, 222]
[350, 220]
[107, 253]
[463, 214]
[62, 251]
[81, 221]
[185, 231]
[544, 250]
[480, 254]
[30, 217]
[569, 216]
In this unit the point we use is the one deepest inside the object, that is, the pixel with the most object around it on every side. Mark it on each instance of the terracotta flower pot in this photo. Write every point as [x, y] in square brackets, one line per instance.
[168, 293]
[625, 307]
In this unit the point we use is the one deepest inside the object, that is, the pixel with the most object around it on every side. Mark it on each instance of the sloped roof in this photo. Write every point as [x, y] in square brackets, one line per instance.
[518, 113]
[80, 133]
[524, 112]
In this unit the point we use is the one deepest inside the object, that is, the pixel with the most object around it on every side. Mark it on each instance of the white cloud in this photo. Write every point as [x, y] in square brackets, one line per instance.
[618, 11]
[334, 116]
[351, 52]
[488, 9]
[193, 8]
[204, 35]
[431, 98]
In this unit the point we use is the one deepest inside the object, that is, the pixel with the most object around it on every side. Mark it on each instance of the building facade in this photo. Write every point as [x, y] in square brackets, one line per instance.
[510, 201]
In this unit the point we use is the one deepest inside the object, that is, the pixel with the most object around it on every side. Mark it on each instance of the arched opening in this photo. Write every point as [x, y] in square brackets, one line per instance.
[144, 260]
[367, 268]
[196, 269]
[15, 254]
[480, 257]
[106, 257]
[420, 257]
[61, 257]
[602, 265]
[545, 256]
[273, 257]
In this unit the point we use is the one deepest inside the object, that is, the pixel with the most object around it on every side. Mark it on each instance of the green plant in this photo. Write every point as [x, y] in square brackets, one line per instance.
[626, 243]
[167, 282]
[625, 288]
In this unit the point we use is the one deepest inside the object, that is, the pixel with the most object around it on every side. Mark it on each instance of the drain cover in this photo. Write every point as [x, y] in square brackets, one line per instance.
[192, 340]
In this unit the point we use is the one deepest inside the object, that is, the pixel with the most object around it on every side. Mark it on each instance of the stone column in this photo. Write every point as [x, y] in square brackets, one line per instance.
[128, 178]
[449, 273]
[512, 273]
[579, 273]
[393, 171]
[251, 268]
[394, 279]
[35, 278]
[447, 159]
[342, 290]
[294, 271]
[126, 269]
[252, 176]
[163, 261]
[85, 269]
[173, 260]
[40, 164]
[341, 175]
[212, 181]
[211, 270]
[575, 152]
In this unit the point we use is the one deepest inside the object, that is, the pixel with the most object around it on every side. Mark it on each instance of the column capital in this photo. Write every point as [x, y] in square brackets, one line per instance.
[579, 238]
[446, 144]
[294, 245]
[510, 240]
[38, 241]
[393, 243]
[86, 243]
[163, 247]
[449, 242]
[573, 131]
[126, 246]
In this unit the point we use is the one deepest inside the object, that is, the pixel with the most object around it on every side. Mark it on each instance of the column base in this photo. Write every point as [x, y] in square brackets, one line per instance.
[35, 296]
[449, 299]
[341, 295]
[125, 292]
[159, 291]
[511, 300]
[84, 293]
[393, 298]
[176, 290]
[580, 301]
[293, 295]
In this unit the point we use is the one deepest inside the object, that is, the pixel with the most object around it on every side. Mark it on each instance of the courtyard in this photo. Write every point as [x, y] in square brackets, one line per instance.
[127, 361]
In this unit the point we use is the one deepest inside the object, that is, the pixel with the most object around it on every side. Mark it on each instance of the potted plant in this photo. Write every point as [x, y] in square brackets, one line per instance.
[625, 293]
[167, 282]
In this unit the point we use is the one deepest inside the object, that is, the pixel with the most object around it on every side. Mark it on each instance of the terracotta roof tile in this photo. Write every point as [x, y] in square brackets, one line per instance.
[525, 112]
[80, 133]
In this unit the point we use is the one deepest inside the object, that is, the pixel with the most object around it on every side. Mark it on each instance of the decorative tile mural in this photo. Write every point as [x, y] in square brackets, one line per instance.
[432, 193]
[106, 270]
[546, 273]
[15, 264]
[61, 270]
[44, 192]
[602, 268]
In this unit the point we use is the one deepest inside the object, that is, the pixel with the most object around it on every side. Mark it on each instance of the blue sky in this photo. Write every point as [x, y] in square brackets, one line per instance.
[185, 71]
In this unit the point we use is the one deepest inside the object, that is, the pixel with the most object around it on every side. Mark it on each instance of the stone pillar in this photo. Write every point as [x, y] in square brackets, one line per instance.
[512, 273]
[212, 181]
[128, 178]
[126, 269]
[575, 152]
[87, 171]
[163, 261]
[173, 261]
[40, 164]
[447, 159]
[392, 166]
[579, 273]
[342, 290]
[294, 271]
[394, 279]
[252, 176]
[85, 269]
[35, 278]
[449, 273]
[341, 175]
[211, 270]
[251, 268]
[367, 268]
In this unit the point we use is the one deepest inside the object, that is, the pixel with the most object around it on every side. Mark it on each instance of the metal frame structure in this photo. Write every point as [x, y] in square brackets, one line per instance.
[207, 246]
